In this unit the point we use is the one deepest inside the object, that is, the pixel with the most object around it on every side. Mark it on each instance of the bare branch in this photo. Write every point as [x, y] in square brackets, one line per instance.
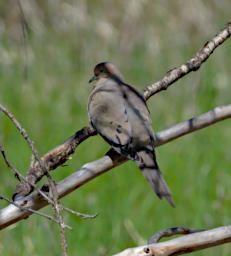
[191, 65]
[196, 123]
[183, 245]
[80, 214]
[58, 213]
[21, 130]
[16, 173]
[89, 171]
[171, 232]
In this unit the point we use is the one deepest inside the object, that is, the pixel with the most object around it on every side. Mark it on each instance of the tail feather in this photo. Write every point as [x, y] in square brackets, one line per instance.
[149, 167]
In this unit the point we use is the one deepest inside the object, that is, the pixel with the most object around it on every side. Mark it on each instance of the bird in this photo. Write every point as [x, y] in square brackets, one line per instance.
[119, 113]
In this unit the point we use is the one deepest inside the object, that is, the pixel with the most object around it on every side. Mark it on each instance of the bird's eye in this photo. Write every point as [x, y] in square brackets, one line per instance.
[101, 71]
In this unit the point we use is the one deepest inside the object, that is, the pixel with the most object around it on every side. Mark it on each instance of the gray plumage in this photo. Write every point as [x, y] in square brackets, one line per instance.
[120, 115]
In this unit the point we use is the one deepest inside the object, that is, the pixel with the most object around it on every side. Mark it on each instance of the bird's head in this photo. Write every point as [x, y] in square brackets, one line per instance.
[106, 70]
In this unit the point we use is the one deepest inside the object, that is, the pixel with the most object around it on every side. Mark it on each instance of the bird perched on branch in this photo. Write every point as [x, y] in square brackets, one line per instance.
[120, 115]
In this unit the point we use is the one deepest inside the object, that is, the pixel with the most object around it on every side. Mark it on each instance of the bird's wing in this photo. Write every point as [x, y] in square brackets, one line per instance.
[108, 114]
[138, 115]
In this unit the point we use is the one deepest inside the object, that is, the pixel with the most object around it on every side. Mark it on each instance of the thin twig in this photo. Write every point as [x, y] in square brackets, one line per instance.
[58, 212]
[191, 65]
[80, 214]
[16, 173]
[31, 210]
[171, 232]
[22, 131]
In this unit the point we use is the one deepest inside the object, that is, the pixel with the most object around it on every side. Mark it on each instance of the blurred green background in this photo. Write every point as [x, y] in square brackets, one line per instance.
[46, 59]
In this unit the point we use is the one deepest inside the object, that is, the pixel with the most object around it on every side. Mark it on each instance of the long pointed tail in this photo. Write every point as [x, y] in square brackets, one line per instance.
[149, 167]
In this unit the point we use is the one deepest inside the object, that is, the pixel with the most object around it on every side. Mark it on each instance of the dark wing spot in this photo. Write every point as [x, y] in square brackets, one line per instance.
[119, 128]
[119, 141]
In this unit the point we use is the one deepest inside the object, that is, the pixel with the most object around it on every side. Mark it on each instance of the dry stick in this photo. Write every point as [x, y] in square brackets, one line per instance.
[182, 245]
[16, 173]
[171, 232]
[31, 210]
[80, 214]
[191, 65]
[53, 160]
[89, 171]
[58, 212]
[42, 165]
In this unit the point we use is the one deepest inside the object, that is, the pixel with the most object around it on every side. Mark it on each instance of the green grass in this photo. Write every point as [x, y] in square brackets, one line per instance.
[44, 83]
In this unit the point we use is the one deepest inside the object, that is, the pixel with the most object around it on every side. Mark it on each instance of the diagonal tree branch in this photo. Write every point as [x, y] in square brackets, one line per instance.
[195, 123]
[61, 154]
[53, 159]
[89, 171]
[191, 65]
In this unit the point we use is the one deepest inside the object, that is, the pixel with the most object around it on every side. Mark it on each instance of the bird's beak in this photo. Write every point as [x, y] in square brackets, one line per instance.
[92, 79]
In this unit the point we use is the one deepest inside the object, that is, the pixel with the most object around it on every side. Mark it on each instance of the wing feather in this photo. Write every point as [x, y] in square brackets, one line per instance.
[108, 114]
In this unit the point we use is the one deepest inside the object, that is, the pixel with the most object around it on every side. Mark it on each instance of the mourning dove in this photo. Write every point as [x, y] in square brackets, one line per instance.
[120, 115]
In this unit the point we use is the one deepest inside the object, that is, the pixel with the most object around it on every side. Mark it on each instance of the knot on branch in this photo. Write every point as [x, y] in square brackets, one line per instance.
[22, 189]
